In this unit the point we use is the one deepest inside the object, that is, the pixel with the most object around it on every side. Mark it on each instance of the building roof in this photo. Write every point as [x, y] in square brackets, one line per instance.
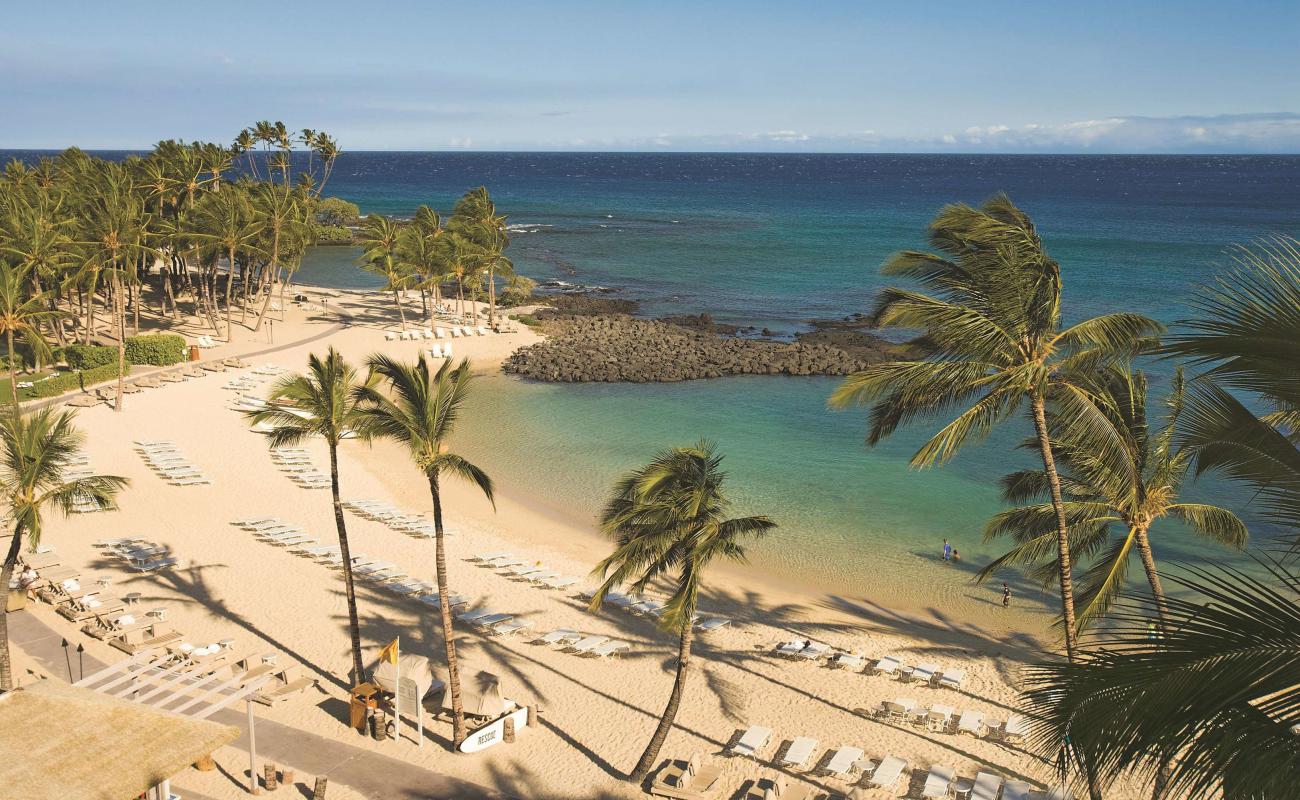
[62, 741]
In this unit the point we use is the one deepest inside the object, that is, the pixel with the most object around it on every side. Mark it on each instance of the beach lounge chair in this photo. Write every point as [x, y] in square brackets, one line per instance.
[511, 628]
[754, 738]
[1016, 790]
[490, 620]
[558, 582]
[147, 638]
[987, 786]
[446, 349]
[687, 780]
[888, 772]
[155, 564]
[925, 672]
[952, 678]
[971, 722]
[84, 608]
[455, 332]
[939, 719]
[474, 614]
[610, 648]
[564, 636]
[887, 666]
[712, 624]
[249, 522]
[440, 333]
[1016, 729]
[791, 649]
[899, 709]
[525, 569]
[814, 651]
[197, 480]
[285, 684]
[428, 334]
[435, 600]
[481, 331]
[587, 644]
[938, 782]
[851, 661]
[843, 762]
[647, 607]
[390, 336]
[798, 753]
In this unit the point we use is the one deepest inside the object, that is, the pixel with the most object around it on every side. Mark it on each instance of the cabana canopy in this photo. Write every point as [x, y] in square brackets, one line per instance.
[480, 695]
[63, 741]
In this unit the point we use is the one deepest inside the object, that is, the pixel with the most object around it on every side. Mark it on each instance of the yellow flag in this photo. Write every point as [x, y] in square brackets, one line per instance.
[389, 653]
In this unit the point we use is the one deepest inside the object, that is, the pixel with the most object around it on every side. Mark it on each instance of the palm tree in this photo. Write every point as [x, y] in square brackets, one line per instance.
[379, 238]
[475, 217]
[420, 252]
[668, 521]
[993, 330]
[113, 224]
[1216, 687]
[279, 212]
[226, 221]
[419, 412]
[462, 258]
[36, 452]
[1248, 335]
[21, 312]
[322, 403]
[1128, 476]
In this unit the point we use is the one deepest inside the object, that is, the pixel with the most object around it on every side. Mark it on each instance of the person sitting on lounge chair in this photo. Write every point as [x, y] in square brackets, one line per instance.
[27, 580]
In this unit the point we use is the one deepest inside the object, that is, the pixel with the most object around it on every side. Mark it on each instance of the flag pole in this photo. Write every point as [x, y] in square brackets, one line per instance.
[397, 697]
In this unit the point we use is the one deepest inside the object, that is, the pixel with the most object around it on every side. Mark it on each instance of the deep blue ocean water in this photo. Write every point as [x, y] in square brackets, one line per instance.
[777, 240]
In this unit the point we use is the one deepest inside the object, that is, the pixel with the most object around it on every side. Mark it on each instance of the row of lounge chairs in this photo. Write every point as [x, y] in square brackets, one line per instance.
[653, 608]
[164, 458]
[450, 332]
[578, 643]
[296, 463]
[411, 524]
[931, 674]
[517, 569]
[945, 719]
[849, 763]
[79, 467]
[440, 350]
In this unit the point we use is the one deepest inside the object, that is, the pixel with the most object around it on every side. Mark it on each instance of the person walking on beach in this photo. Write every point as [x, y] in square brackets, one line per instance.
[1006, 595]
[947, 550]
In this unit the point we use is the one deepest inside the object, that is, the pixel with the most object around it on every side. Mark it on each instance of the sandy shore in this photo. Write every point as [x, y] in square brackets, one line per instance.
[595, 715]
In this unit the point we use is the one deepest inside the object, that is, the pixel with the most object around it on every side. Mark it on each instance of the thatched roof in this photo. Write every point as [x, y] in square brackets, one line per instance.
[62, 741]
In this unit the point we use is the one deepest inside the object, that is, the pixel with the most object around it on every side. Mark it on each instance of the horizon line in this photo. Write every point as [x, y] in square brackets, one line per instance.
[553, 151]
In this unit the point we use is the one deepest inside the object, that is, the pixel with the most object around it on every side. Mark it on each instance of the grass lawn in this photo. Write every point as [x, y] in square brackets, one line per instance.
[23, 394]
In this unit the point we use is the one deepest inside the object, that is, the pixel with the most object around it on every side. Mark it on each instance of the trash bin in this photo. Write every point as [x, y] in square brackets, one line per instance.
[194, 352]
[364, 698]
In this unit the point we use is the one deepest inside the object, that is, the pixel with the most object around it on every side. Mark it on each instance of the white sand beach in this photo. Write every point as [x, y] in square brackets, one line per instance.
[596, 714]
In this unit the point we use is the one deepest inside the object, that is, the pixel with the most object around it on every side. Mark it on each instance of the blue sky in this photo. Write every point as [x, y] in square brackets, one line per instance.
[618, 75]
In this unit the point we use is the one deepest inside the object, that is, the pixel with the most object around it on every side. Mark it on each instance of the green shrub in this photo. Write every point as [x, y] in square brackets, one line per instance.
[332, 234]
[528, 319]
[336, 211]
[65, 381]
[89, 356]
[159, 350]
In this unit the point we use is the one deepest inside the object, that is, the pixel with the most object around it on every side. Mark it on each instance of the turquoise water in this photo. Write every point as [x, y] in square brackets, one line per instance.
[777, 240]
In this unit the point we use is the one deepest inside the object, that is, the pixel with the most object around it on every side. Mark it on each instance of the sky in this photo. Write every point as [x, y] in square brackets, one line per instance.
[1041, 76]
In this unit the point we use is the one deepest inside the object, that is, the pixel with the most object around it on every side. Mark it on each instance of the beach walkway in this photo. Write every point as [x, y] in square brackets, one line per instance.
[371, 774]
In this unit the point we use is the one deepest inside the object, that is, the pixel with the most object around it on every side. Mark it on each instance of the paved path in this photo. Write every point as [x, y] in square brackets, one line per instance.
[373, 775]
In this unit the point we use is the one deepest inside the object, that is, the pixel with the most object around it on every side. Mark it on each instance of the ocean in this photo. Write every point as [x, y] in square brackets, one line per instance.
[776, 241]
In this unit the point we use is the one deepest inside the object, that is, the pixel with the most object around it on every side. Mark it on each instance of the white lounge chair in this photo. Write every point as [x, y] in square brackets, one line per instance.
[712, 624]
[814, 651]
[559, 583]
[799, 751]
[938, 782]
[440, 333]
[455, 332]
[987, 786]
[610, 648]
[390, 336]
[1016, 729]
[587, 644]
[474, 614]
[513, 627]
[851, 661]
[888, 772]
[560, 636]
[843, 761]
[490, 620]
[481, 331]
[971, 722]
[791, 649]
[887, 666]
[952, 678]
[754, 738]
[1016, 790]
[940, 718]
[925, 672]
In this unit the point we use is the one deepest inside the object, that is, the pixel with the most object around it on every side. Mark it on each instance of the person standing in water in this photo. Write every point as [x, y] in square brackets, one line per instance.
[1006, 595]
[947, 550]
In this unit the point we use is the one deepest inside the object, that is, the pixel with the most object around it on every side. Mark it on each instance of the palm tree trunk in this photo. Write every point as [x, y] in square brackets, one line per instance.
[651, 754]
[1162, 609]
[349, 589]
[444, 608]
[492, 296]
[7, 573]
[1062, 531]
[119, 313]
[397, 297]
[230, 283]
[271, 270]
[13, 383]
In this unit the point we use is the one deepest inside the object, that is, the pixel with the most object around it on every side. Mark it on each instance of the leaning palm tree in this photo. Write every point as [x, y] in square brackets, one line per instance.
[1219, 687]
[1248, 336]
[36, 453]
[419, 412]
[379, 239]
[668, 521]
[992, 326]
[21, 313]
[1122, 475]
[321, 403]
